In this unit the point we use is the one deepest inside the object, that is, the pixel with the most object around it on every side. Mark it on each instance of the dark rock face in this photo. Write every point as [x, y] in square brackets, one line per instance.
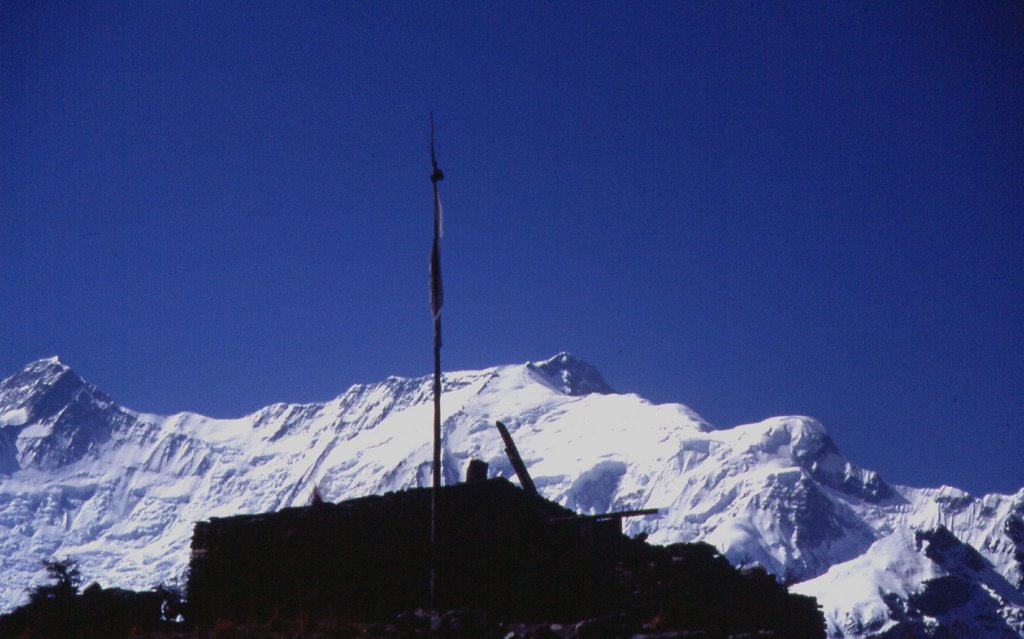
[1014, 527]
[945, 549]
[823, 461]
[8, 452]
[814, 520]
[502, 552]
[942, 594]
[572, 375]
[954, 503]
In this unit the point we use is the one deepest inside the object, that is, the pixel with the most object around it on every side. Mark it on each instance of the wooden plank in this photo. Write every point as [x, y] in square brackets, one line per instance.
[517, 462]
[642, 512]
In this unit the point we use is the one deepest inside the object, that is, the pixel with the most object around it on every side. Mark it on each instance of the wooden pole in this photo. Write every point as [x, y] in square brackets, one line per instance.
[436, 301]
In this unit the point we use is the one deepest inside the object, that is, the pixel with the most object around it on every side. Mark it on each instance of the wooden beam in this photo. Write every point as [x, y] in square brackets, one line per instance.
[517, 462]
[614, 515]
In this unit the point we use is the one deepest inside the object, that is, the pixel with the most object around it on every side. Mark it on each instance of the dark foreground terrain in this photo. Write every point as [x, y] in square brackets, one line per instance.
[510, 565]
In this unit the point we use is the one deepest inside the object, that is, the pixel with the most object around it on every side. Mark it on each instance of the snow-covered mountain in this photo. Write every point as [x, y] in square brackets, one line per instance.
[119, 490]
[918, 584]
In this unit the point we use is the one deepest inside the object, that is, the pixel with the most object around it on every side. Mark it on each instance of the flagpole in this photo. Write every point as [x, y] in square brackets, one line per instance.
[436, 301]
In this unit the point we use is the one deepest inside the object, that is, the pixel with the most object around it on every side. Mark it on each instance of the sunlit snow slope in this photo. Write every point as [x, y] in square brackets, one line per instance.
[119, 490]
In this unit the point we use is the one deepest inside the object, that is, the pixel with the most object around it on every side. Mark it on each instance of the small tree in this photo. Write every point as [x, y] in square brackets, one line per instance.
[66, 578]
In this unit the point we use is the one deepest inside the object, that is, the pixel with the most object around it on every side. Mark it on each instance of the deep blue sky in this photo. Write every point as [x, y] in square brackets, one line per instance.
[750, 208]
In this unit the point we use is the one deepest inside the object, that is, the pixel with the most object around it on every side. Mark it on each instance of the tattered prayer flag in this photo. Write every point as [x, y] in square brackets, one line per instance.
[440, 217]
[436, 289]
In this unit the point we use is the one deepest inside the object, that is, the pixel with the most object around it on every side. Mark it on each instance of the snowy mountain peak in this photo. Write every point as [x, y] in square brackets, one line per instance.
[39, 373]
[39, 388]
[808, 444]
[49, 416]
[570, 375]
[47, 362]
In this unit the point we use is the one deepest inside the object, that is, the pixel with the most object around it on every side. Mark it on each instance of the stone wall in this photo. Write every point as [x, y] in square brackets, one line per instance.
[370, 558]
[501, 550]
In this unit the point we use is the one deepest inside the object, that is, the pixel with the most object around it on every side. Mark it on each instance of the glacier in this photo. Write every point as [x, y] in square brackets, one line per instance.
[119, 490]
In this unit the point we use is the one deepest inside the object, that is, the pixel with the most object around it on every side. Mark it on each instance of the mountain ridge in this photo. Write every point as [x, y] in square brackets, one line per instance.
[120, 489]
